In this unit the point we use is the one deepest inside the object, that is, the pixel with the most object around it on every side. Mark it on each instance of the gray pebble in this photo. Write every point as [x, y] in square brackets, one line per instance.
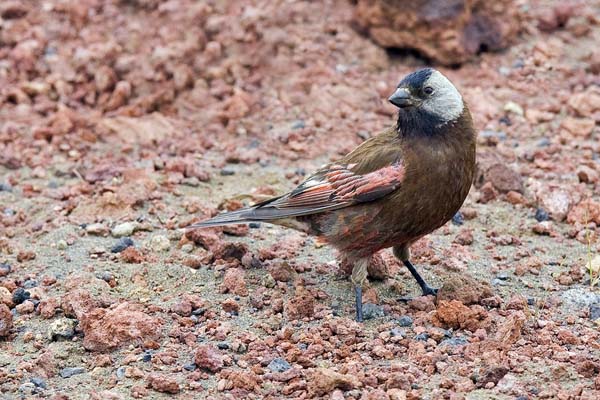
[279, 365]
[39, 382]
[455, 341]
[5, 269]
[27, 388]
[70, 371]
[189, 367]
[371, 311]
[422, 337]
[595, 311]
[120, 372]
[405, 320]
[121, 245]
[398, 332]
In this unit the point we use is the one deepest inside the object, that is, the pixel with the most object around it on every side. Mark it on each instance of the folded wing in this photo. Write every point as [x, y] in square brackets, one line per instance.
[332, 187]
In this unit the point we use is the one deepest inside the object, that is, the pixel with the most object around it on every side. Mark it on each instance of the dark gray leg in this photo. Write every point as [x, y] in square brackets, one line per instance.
[358, 278]
[425, 288]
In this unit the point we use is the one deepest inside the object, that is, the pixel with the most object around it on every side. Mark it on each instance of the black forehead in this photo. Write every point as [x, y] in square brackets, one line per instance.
[417, 78]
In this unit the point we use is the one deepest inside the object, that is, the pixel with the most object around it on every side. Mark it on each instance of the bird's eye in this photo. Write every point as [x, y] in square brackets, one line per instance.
[428, 90]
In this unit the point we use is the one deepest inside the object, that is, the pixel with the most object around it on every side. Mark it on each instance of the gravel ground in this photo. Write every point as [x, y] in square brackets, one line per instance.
[124, 121]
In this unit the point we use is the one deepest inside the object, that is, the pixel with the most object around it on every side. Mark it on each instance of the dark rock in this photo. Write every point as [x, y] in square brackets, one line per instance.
[405, 320]
[122, 244]
[189, 367]
[254, 225]
[595, 311]
[279, 365]
[458, 219]
[39, 382]
[29, 283]
[398, 332]
[422, 337]
[121, 372]
[223, 346]
[5, 269]
[20, 295]
[147, 357]
[70, 371]
[5, 187]
[541, 215]
[371, 311]
[227, 172]
[455, 341]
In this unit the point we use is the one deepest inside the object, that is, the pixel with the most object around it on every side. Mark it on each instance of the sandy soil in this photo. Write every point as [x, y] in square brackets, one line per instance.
[123, 121]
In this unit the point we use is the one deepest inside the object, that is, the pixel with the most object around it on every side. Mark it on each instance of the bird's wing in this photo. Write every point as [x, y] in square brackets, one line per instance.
[332, 187]
[336, 186]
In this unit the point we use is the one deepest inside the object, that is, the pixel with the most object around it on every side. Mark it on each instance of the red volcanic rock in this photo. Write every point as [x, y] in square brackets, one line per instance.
[234, 282]
[109, 329]
[164, 383]
[209, 358]
[449, 32]
[6, 320]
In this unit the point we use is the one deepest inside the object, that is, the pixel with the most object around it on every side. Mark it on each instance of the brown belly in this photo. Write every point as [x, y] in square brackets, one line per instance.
[416, 209]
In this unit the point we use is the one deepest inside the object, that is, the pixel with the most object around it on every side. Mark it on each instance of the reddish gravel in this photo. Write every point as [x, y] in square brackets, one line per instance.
[123, 121]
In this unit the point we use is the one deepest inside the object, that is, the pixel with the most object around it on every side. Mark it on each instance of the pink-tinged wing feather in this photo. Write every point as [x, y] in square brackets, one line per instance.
[331, 188]
[337, 186]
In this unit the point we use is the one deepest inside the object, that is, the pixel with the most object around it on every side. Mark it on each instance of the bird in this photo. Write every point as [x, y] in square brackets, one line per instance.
[391, 190]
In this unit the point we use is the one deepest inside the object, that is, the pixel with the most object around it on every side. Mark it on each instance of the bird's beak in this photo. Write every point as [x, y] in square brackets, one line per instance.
[402, 98]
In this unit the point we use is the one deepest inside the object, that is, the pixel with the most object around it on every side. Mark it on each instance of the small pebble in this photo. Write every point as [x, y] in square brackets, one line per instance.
[279, 365]
[187, 248]
[541, 215]
[595, 311]
[27, 388]
[371, 311]
[398, 332]
[124, 229]
[254, 225]
[121, 245]
[422, 337]
[227, 172]
[502, 276]
[455, 341]
[223, 346]
[62, 328]
[160, 243]
[70, 371]
[298, 124]
[62, 245]
[120, 372]
[96, 229]
[5, 269]
[30, 283]
[39, 382]
[189, 367]
[20, 295]
[458, 219]
[5, 187]
[405, 320]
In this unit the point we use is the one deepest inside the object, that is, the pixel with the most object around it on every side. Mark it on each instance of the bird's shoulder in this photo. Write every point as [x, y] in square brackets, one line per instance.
[375, 153]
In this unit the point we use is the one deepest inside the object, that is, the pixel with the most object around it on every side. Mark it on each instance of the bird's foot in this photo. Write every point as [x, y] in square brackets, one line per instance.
[359, 308]
[426, 291]
[429, 291]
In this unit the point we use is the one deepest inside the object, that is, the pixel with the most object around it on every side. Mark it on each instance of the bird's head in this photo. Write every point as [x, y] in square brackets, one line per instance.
[429, 97]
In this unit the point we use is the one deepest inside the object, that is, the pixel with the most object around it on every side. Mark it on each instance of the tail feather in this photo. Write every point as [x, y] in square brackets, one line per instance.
[228, 218]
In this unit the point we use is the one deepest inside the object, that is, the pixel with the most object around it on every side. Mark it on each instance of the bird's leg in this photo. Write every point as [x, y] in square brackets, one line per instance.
[425, 288]
[403, 254]
[358, 278]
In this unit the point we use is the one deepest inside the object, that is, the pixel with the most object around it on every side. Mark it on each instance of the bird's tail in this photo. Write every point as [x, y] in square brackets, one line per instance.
[228, 218]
